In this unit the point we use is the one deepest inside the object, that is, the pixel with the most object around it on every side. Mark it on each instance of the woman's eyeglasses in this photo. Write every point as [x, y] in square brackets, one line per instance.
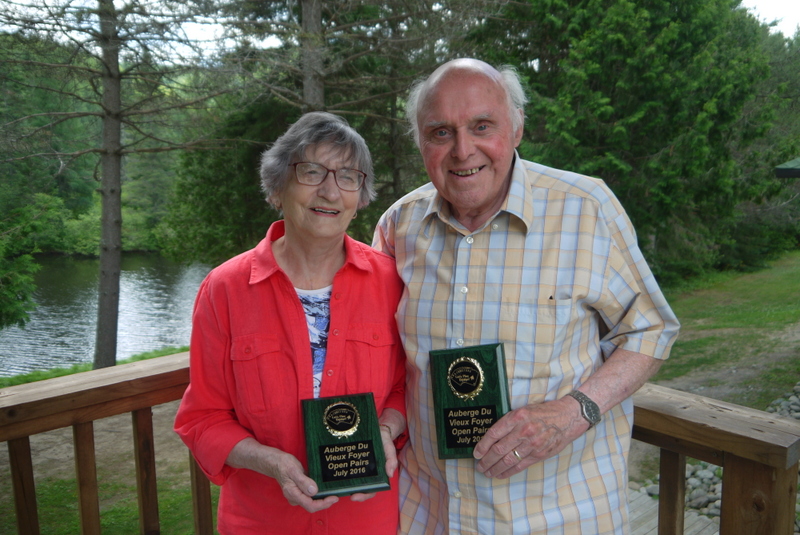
[314, 174]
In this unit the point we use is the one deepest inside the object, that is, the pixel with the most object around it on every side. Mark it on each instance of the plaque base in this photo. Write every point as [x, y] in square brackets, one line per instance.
[470, 393]
[343, 444]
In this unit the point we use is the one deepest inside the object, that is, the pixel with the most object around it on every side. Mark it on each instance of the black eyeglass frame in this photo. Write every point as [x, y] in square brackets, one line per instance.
[361, 174]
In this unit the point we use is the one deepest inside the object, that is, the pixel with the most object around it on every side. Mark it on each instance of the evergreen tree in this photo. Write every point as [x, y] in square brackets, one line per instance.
[130, 68]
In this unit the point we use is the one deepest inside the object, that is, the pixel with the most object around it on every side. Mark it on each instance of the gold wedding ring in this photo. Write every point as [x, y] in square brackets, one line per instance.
[516, 454]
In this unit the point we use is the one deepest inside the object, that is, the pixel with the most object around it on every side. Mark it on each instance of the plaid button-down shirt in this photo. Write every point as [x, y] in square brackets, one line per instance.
[557, 276]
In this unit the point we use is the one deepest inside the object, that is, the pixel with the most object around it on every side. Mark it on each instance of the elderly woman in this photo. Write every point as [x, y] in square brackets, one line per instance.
[309, 312]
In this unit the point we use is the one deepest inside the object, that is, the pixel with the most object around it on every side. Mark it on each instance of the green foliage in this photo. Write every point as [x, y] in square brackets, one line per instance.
[36, 93]
[759, 236]
[147, 188]
[83, 232]
[26, 228]
[218, 209]
[16, 288]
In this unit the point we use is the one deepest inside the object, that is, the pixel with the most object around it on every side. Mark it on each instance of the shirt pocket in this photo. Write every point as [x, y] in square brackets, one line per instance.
[555, 312]
[539, 337]
[264, 377]
[368, 359]
[553, 317]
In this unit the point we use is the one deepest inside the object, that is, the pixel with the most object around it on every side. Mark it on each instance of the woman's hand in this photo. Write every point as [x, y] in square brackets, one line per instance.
[391, 462]
[392, 424]
[297, 487]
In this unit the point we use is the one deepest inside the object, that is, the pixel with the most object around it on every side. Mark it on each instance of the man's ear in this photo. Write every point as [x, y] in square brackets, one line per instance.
[521, 129]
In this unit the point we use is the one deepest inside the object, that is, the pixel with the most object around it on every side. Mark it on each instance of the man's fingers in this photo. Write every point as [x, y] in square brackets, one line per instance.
[497, 432]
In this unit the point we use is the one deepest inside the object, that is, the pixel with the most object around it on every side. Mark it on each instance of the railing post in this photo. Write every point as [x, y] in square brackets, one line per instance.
[671, 493]
[144, 450]
[201, 499]
[757, 499]
[86, 473]
[19, 455]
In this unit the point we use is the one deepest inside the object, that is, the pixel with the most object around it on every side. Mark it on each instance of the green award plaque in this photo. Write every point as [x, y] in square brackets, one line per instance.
[470, 393]
[344, 447]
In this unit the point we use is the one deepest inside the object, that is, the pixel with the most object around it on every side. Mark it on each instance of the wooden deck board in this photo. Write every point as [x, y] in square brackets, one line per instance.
[644, 517]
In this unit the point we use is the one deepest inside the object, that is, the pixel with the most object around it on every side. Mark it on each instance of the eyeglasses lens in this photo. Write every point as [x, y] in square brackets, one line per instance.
[313, 174]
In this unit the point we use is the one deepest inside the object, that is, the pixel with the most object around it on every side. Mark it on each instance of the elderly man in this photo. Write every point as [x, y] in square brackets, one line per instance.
[499, 249]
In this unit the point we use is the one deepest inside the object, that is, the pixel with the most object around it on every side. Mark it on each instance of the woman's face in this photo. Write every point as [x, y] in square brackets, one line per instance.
[322, 211]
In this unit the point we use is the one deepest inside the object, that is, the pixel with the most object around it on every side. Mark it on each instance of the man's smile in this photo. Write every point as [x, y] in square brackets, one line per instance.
[467, 172]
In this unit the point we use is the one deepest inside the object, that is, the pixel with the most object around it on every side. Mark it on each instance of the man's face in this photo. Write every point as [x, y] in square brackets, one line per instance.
[467, 142]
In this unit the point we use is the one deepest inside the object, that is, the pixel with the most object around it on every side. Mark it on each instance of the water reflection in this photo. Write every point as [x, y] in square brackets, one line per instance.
[156, 298]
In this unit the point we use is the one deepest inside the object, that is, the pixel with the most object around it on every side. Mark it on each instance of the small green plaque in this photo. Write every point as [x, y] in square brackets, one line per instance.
[470, 393]
[344, 447]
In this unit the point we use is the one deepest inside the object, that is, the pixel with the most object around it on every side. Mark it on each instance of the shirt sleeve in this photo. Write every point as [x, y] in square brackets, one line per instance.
[205, 420]
[397, 394]
[631, 311]
[383, 237]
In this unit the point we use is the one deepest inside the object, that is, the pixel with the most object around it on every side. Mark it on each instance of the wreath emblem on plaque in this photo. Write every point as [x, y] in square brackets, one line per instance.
[341, 419]
[465, 377]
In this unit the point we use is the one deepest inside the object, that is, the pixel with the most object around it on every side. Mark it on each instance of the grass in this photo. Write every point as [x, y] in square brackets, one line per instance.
[57, 501]
[732, 321]
[41, 375]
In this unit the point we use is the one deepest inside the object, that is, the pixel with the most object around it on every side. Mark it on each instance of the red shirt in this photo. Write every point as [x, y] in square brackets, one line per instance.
[251, 364]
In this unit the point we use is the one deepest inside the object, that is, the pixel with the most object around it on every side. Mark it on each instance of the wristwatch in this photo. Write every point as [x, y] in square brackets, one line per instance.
[589, 409]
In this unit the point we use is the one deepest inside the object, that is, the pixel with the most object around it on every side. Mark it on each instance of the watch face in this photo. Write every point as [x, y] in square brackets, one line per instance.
[592, 412]
[589, 409]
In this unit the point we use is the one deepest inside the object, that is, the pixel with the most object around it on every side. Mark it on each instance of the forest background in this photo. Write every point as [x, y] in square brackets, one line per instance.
[683, 107]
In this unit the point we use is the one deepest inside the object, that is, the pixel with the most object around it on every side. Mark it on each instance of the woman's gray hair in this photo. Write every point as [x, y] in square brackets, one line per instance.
[515, 97]
[314, 129]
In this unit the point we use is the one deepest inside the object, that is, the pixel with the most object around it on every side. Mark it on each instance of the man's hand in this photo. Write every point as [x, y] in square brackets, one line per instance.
[537, 432]
[534, 432]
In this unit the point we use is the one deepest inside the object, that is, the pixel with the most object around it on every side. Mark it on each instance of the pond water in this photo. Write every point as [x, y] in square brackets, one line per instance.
[156, 299]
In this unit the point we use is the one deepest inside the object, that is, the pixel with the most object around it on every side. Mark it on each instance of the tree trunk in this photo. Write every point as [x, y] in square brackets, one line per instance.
[110, 189]
[311, 38]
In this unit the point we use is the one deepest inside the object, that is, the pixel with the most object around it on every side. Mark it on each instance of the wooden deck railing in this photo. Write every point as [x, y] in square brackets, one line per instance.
[759, 452]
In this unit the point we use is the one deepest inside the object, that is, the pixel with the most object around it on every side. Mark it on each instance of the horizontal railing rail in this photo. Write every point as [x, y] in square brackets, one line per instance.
[759, 452]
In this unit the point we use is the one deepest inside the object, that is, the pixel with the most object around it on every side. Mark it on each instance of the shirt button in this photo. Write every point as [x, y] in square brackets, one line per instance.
[464, 289]
[337, 296]
[470, 239]
[495, 226]
[330, 372]
[320, 522]
[336, 332]
[456, 494]
[375, 336]
[248, 350]
[460, 342]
